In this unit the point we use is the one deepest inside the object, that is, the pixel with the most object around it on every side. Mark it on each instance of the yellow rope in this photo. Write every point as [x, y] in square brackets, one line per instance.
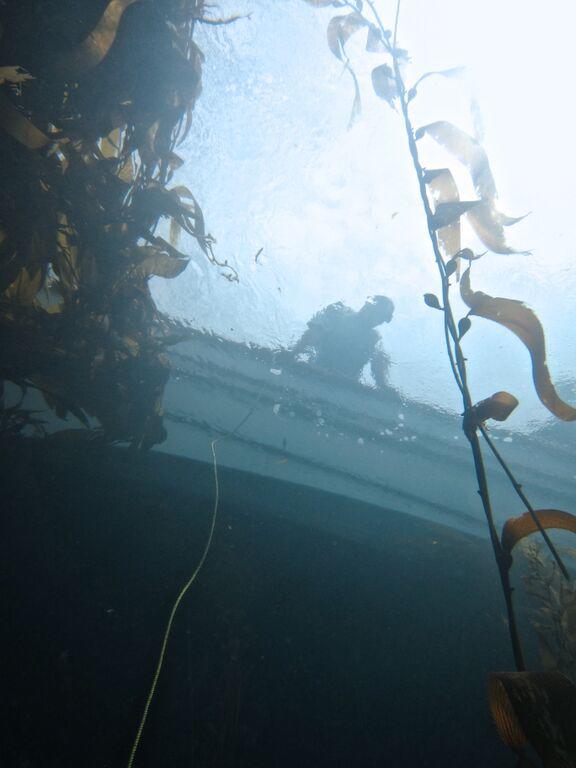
[175, 607]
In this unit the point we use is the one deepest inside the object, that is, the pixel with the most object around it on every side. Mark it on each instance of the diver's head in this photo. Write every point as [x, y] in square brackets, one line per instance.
[377, 310]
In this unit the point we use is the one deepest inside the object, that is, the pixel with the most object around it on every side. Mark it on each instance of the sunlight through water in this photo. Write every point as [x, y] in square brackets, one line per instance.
[336, 211]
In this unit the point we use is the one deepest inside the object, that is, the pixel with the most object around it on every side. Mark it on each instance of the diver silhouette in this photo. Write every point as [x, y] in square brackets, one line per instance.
[341, 340]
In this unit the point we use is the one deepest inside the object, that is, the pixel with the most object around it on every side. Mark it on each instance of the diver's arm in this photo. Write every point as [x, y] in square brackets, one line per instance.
[380, 367]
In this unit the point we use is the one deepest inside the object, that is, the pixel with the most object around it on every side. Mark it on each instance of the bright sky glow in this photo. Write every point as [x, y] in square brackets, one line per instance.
[337, 212]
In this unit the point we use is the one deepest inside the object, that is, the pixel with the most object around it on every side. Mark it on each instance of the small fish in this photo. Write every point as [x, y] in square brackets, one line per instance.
[258, 254]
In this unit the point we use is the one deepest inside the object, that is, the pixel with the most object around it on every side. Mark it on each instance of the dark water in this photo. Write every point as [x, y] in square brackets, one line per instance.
[321, 631]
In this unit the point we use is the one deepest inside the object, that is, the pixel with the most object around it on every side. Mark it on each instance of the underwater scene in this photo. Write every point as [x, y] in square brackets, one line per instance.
[287, 384]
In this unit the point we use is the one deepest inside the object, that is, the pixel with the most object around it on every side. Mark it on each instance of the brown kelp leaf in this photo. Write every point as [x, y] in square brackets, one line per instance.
[375, 43]
[449, 73]
[340, 29]
[517, 528]
[183, 191]
[505, 719]
[157, 262]
[443, 189]
[147, 144]
[508, 221]
[14, 75]
[467, 151]
[384, 84]
[174, 163]
[156, 201]
[447, 213]
[432, 301]
[468, 254]
[191, 213]
[356, 110]
[95, 47]
[538, 708]
[218, 21]
[175, 230]
[498, 406]
[24, 289]
[464, 325]
[488, 223]
[442, 185]
[357, 102]
[522, 321]
[127, 170]
[449, 240]
[19, 127]
[401, 55]
[110, 145]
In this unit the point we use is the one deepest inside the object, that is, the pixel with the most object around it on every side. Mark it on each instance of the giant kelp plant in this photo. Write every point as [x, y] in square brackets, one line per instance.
[94, 98]
[535, 709]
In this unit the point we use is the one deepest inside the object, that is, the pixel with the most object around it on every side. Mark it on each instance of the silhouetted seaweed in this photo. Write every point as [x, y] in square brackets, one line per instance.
[92, 106]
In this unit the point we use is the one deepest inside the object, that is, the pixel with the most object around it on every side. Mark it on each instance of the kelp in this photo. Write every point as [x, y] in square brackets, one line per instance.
[92, 107]
[512, 695]
[536, 710]
[553, 613]
[484, 217]
[524, 324]
[443, 191]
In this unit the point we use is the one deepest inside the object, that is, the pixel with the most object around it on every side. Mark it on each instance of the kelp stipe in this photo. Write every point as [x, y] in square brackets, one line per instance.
[444, 209]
